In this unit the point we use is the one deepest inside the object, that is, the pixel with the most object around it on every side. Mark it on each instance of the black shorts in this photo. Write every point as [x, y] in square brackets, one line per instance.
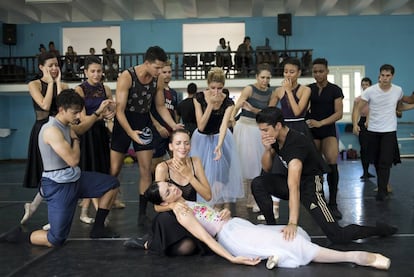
[121, 142]
[323, 132]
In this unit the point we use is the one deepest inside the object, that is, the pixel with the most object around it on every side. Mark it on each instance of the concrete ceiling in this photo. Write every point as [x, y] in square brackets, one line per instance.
[52, 11]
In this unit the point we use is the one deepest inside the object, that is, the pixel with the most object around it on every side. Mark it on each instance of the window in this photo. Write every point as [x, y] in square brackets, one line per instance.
[349, 79]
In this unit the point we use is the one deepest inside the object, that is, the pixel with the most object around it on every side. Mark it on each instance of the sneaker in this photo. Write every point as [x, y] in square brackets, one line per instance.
[272, 262]
[335, 212]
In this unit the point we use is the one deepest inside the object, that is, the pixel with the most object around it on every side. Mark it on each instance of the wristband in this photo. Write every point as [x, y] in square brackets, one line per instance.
[96, 114]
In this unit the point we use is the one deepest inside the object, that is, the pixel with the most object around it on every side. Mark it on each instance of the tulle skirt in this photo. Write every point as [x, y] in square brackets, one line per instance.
[224, 175]
[249, 146]
[242, 238]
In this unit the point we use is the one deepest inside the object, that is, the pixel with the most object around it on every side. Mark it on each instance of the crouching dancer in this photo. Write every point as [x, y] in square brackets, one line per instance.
[62, 182]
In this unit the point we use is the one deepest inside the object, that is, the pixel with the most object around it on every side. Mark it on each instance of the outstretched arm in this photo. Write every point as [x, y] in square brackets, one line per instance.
[190, 223]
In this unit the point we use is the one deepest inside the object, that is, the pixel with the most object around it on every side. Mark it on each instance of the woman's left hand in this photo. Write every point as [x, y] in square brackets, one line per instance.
[225, 214]
[217, 151]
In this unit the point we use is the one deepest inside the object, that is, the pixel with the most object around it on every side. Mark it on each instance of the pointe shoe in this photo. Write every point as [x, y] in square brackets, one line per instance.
[87, 219]
[118, 205]
[27, 213]
[255, 208]
[272, 262]
[380, 262]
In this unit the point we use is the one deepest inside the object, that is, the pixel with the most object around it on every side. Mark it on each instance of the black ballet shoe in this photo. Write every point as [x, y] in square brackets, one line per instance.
[385, 230]
[138, 243]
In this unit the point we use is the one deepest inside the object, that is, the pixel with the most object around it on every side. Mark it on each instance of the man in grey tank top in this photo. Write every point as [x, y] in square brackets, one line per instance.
[63, 183]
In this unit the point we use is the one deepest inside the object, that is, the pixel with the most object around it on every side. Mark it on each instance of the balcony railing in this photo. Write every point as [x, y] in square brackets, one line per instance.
[185, 66]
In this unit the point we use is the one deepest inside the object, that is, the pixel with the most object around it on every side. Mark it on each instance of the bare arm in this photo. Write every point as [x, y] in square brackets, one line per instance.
[87, 121]
[161, 109]
[245, 94]
[202, 117]
[404, 107]
[356, 114]
[222, 133]
[69, 153]
[190, 223]
[294, 174]
[268, 154]
[303, 95]
[275, 97]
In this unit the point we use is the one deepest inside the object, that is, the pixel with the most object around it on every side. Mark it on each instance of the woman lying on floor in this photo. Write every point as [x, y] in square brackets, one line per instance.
[241, 242]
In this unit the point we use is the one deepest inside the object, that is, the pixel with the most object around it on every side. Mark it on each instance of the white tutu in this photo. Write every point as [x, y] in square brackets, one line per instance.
[242, 238]
[249, 146]
[223, 175]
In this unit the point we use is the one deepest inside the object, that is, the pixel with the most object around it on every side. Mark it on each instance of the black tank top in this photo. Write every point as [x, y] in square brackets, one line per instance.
[189, 193]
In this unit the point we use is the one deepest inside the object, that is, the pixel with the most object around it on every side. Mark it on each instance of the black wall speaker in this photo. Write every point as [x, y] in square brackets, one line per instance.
[284, 24]
[9, 34]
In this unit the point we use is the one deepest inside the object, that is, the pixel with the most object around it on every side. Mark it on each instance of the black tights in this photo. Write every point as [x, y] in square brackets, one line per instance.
[184, 247]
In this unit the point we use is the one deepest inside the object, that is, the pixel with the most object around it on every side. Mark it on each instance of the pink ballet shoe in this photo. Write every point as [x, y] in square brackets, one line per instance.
[272, 262]
[380, 262]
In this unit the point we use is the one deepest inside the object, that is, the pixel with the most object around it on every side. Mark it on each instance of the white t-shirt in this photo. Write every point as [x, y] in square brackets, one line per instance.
[382, 106]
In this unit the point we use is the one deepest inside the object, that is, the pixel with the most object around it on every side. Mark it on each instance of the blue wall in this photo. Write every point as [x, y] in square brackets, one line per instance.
[343, 40]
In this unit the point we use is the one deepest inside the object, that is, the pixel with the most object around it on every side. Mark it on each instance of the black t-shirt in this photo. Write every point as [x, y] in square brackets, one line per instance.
[322, 105]
[299, 146]
[186, 110]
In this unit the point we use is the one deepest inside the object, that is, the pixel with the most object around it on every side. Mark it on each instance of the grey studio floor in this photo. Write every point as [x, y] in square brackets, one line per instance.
[82, 256]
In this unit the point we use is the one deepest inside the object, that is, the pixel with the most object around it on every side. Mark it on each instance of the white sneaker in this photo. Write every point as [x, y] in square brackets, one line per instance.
[272, 262]
[261, 217]
[46, 227]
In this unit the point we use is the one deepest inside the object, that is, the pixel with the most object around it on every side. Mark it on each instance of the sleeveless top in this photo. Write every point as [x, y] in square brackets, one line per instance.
[207, 216]
[54, 167]
[287, 109]
[259, 99]
[189, 193]
[53, 110]
[216, 117]
[140, 95]
[94, 95]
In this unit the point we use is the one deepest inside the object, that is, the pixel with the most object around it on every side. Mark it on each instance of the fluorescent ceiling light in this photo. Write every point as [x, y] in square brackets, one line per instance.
[47, 1]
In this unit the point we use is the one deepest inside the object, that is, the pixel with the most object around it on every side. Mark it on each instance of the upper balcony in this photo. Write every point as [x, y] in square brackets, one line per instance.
[185, 66]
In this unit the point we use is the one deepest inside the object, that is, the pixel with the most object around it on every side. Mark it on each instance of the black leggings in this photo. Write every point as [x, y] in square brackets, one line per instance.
[311, 197]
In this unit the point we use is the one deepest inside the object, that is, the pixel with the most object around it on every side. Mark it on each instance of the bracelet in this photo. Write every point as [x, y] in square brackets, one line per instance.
[96, 114]
[291, 223]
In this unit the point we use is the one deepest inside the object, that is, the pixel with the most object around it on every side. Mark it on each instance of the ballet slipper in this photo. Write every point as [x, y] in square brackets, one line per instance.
[118, 204]
[276, 211]
[380, 262]
[46, 227]
[255, 208]
[27, 213]
[87, 219]
[272, 262]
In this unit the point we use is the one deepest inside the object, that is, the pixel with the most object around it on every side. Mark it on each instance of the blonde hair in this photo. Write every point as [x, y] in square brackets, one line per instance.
[216, 74]
[168, 63]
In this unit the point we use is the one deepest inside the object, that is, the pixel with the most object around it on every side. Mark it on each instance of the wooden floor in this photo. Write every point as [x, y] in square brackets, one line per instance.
[81, 256]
